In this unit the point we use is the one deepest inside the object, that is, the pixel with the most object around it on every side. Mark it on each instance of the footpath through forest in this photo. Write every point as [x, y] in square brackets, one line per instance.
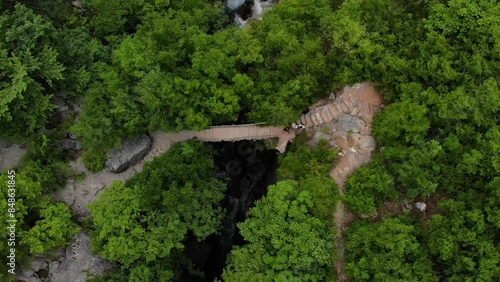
[346, 122]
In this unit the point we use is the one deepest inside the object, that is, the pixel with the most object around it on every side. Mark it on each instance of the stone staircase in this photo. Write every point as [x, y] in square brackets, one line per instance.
[330, 111]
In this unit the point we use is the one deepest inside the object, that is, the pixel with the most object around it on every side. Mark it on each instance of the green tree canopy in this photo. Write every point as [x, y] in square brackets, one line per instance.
[28, 69]
[143, 222]
[387, 251]
[285, 241]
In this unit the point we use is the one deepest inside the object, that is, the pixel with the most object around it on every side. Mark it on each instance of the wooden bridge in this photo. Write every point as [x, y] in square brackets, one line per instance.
[226, 133]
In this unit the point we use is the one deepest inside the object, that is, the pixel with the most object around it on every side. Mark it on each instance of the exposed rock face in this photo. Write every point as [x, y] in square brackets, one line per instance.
[130, 152]
[233, 5]
[75, 263]
[350, 123]
[36, 264]
[10, 154]
[70, 144]
[420, 206]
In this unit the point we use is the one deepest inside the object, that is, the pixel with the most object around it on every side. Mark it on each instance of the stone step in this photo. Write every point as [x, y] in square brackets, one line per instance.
[355, 111]
[353, 100]
[313, 118]
[303, 119]
[338, 109]
[326, 115]
[343, 108]
[334, 112]
[345, 102]
[309, 122]
[319, 118]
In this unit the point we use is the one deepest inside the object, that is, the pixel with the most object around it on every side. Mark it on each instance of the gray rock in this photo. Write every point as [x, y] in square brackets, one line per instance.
[77, 262]
[72, 136]
[350, 123]
[10, 154]
[130, 152]
[63, 108]
[420, 206]
[37, 263]
[69, 144]
[233, 5]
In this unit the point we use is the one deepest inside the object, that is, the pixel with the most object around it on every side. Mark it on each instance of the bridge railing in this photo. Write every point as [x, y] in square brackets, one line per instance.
[238, 125]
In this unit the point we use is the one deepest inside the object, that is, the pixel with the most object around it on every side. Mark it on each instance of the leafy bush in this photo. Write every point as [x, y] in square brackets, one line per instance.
[387, 251]
[368, 187]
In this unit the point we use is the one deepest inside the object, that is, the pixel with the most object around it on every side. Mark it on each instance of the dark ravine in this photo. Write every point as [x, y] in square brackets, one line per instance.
[249, 169]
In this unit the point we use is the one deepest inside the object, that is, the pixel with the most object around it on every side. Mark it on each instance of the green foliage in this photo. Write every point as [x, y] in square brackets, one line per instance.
[141, 223]
[465, 241]
[41, 226]
[286, 60]
[172, 74]
[28, 67]
[437, 62]
[286, 242]
[181, 70]
[174, 65]
[37, 60]
[310, 167]
[386, 251]
[53, 230]
[368, 187]
[303, 160]
[324, 194]
[402, 121]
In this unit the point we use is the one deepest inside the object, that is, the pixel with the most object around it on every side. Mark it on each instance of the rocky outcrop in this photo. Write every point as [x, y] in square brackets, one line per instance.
[233, 5]
[75, 263]
[350, 123]
[30, 273]
[70, 144]
[10, 154]
[130, 153]
[421, 206]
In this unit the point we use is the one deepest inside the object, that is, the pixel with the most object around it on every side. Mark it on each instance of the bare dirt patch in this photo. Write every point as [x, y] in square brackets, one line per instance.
[399, 207]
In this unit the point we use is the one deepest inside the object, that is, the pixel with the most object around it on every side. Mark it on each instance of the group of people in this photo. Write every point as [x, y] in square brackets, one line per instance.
[295, 127]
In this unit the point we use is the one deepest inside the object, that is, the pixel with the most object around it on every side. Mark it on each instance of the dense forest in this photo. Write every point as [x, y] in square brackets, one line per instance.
[142, 66]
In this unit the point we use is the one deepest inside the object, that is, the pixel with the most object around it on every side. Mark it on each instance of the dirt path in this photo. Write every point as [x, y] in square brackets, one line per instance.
[348, 121]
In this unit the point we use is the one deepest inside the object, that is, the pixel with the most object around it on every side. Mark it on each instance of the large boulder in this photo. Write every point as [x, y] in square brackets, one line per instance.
[71, 144]
[36, 264]
[350, 123]
[77, 263]
[130, 152]
[10, 154]
[421, 206]
[233, 5]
